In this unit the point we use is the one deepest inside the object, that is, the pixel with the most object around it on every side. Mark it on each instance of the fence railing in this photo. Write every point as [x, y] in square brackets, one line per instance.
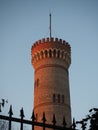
[33, 121]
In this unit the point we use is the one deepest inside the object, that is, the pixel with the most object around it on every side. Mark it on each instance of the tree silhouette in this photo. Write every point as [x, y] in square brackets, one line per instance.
[3, 125]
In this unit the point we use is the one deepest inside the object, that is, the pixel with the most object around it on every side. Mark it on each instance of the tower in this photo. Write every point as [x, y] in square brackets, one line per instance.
[51, 58]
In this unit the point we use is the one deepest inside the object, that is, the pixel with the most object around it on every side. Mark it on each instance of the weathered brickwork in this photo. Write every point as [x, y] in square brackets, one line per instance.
[51, 59]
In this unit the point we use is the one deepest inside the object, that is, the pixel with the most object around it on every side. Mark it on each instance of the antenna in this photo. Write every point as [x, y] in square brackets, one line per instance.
[50, 25]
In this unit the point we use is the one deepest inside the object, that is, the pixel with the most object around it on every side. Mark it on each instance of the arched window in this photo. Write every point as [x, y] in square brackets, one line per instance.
[58, 54]
[54, 53]
[46, 53]
[50, 53]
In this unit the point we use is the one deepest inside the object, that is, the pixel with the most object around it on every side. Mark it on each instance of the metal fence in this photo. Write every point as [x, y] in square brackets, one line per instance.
[33, 121]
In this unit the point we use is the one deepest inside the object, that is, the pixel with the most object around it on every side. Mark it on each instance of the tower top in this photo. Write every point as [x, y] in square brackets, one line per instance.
[51, 48]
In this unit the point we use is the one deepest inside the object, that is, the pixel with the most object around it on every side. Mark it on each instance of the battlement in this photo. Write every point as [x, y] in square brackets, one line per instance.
[51, 40]
[45, 40]
[51, 48]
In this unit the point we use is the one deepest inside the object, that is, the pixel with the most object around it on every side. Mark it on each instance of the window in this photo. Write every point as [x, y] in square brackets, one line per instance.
[54, 98]
[50, 53]
[54, 53]
[58, 54]
[36, 84]
[46, 53]
[58, 98]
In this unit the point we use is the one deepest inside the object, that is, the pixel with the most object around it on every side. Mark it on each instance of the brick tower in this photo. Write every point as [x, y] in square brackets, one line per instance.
[51, 58]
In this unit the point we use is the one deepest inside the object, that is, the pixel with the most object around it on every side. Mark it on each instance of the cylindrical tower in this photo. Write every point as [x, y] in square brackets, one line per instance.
[51, 59]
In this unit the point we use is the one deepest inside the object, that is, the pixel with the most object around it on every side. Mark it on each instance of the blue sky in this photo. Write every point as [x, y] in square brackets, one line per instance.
[22, 22]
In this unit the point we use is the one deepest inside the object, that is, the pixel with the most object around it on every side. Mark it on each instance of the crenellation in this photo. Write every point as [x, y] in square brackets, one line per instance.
[39, 41]
[64, 42]
[60, 40]
[34, 44]
[51, 39]
[47, 39]
[56, 40]
[61, 44]
[43, 40]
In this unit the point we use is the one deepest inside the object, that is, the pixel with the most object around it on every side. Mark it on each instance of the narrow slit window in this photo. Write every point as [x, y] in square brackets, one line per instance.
[37, 82]
[58, 98]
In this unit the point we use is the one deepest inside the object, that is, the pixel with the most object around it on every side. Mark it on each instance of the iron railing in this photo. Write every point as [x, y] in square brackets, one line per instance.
[33, 121]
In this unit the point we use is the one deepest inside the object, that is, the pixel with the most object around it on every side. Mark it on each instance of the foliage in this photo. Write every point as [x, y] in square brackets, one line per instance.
[3, 125]
[91, 120]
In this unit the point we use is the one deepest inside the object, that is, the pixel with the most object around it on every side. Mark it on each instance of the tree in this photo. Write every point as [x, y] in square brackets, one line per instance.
[3, 125]
[94, 119]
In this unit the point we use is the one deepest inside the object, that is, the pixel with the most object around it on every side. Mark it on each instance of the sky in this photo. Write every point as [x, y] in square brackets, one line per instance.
[22, 23]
